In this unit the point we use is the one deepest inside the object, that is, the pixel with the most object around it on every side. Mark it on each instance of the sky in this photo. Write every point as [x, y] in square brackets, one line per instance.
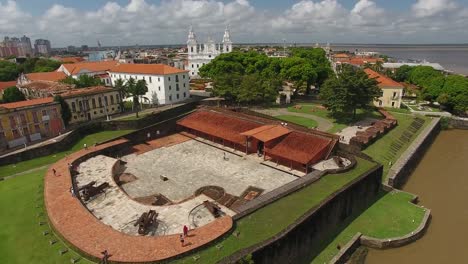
[143, 22]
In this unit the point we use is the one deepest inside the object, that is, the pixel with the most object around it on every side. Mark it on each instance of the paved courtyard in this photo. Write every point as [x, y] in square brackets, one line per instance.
[191, 165]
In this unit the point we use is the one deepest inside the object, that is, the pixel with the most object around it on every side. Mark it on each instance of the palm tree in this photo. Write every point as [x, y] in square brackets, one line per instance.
[136, 89]
[120, 87]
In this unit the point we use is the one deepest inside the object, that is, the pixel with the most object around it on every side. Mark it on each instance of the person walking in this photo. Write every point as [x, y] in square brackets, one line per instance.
[55, 172]
[85, 146]
[182, 242]
[186, 231]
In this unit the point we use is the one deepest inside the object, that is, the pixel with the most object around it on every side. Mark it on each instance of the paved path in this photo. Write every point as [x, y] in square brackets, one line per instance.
[323, 124]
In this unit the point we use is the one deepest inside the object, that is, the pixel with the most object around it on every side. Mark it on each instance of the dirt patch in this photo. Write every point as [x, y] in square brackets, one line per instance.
[251, 193]
[126, 178]
[214, 192]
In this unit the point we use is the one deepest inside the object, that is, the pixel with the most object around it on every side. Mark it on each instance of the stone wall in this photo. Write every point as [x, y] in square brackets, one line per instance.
[294, 244]
[405, 165]
[459, 123]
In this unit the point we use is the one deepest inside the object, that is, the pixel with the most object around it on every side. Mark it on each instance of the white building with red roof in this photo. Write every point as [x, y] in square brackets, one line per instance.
[166, 84]
[392, 91]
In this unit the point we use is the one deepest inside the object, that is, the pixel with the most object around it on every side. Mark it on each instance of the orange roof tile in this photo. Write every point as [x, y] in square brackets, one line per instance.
[72, 59]
[341, 55]
[4, 85]
[46, 85]
[157, 69]
[95, 66]
[86, 91]
[46, 76]
[267, 133]
[27, 103]
[384, 81]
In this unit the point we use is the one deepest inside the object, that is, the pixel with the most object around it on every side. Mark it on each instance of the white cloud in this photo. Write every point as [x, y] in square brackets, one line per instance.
[166, 22]
[427, 8]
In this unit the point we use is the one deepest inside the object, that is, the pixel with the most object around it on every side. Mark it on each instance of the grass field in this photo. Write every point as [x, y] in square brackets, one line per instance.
[391, 216]
[21, 238]
[379, 150]
[309, 123]
[275, 217]
[47, 160]
[340, 122]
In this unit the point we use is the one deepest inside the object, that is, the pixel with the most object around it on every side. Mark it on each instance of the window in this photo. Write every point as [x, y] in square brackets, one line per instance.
[35, 118]
[12, 121]
[159, 88]
[170, 87]
[94, 103]
[100, 102]
[75, 117]
[170, 97]
[183, 76]
[16, 133]
[44, 112]
[95, 112]
[25, 131]
[105, 101]
[198, 65]
[177, 78]
[117, 97]
[86, 105]
[159, 79]
[177, 87]
[37, 128]
[54, 113]
[46, 126]
[185, 95]
[380, 103]
[23, 119]
[169, 78]
[393, 104]
[191, 49]
[73, 107]
[193, 73]
[112, 99]
[80, 105]
[209, 56]
[177, 96]
[184, 85]
[192, 67]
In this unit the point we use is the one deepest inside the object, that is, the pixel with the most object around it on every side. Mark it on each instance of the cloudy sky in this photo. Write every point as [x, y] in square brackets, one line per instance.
[120, 22]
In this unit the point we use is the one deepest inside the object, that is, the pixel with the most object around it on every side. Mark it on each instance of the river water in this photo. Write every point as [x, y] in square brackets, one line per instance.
[451, 57]
[441, 182]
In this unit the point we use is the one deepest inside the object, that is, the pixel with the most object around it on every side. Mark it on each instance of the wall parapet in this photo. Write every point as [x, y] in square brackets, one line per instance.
[403, 167]
[348, 250]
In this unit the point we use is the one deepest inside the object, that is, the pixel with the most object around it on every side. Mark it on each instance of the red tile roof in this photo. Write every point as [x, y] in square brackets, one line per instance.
[95, 66]
[219, 125]
[341, 55]
[267, 133]
[4, 85]
[46, 85]
[27, 103]
[156, 69]
[71, 59]
[384, 81]
[301, 147]
[86, 91]
[46, 76]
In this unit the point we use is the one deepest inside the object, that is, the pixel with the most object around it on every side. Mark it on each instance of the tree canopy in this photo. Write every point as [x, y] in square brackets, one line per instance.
[13, 94]
[83, 81]
[8, 71]
[450, 91]
[350, 90]
[135, 89]
[233, 73]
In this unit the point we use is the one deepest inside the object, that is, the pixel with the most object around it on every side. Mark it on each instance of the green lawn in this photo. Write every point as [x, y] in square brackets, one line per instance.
[272, 219]
[46, 160]
[340, 122]
[21, 238]
[309, 123]
[380, 150]
[391, 216]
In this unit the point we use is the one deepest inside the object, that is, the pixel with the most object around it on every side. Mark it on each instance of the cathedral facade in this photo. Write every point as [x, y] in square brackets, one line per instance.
[199, 55]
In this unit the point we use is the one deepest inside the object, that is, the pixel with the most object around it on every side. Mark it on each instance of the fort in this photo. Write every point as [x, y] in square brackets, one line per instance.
[209, 169]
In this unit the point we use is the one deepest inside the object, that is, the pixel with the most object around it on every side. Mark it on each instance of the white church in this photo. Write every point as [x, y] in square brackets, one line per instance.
[199, 55]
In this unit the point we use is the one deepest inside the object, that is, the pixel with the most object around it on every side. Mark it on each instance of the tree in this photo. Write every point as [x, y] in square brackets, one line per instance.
[119, 85]
[136, 89]
[83, 81]
[350, 90]
[402, 74]
[8, 71]
[65, 112]
[13, 94]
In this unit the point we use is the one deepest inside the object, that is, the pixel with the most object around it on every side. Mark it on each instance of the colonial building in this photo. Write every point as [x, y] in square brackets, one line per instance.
[166, 84]
[41, 89]
[199, 55]
[29, 121]
[95, 68]
[92, 103]
[392, 91]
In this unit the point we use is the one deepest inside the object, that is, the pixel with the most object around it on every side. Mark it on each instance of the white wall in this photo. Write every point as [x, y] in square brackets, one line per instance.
[163, 86]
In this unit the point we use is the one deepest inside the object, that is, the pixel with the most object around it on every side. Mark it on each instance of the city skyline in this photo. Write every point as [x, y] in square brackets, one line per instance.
[148, 22]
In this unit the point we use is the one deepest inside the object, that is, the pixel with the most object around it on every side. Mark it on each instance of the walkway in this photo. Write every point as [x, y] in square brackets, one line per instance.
[323, 124]
[80, 228]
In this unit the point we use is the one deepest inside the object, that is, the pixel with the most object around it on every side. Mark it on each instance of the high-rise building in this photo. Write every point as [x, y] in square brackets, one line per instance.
[26, 43]
[42, 46]
[18, 47]
[199, 56]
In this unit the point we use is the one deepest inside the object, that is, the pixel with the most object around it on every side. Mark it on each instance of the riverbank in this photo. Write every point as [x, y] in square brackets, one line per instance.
[441, 183]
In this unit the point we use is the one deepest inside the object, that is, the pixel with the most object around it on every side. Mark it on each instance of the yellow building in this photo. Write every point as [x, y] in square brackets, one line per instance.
[392, 91]
[28, 121]
[92, 103]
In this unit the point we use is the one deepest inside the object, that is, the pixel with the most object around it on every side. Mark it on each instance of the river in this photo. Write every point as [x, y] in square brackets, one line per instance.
[441, 182]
